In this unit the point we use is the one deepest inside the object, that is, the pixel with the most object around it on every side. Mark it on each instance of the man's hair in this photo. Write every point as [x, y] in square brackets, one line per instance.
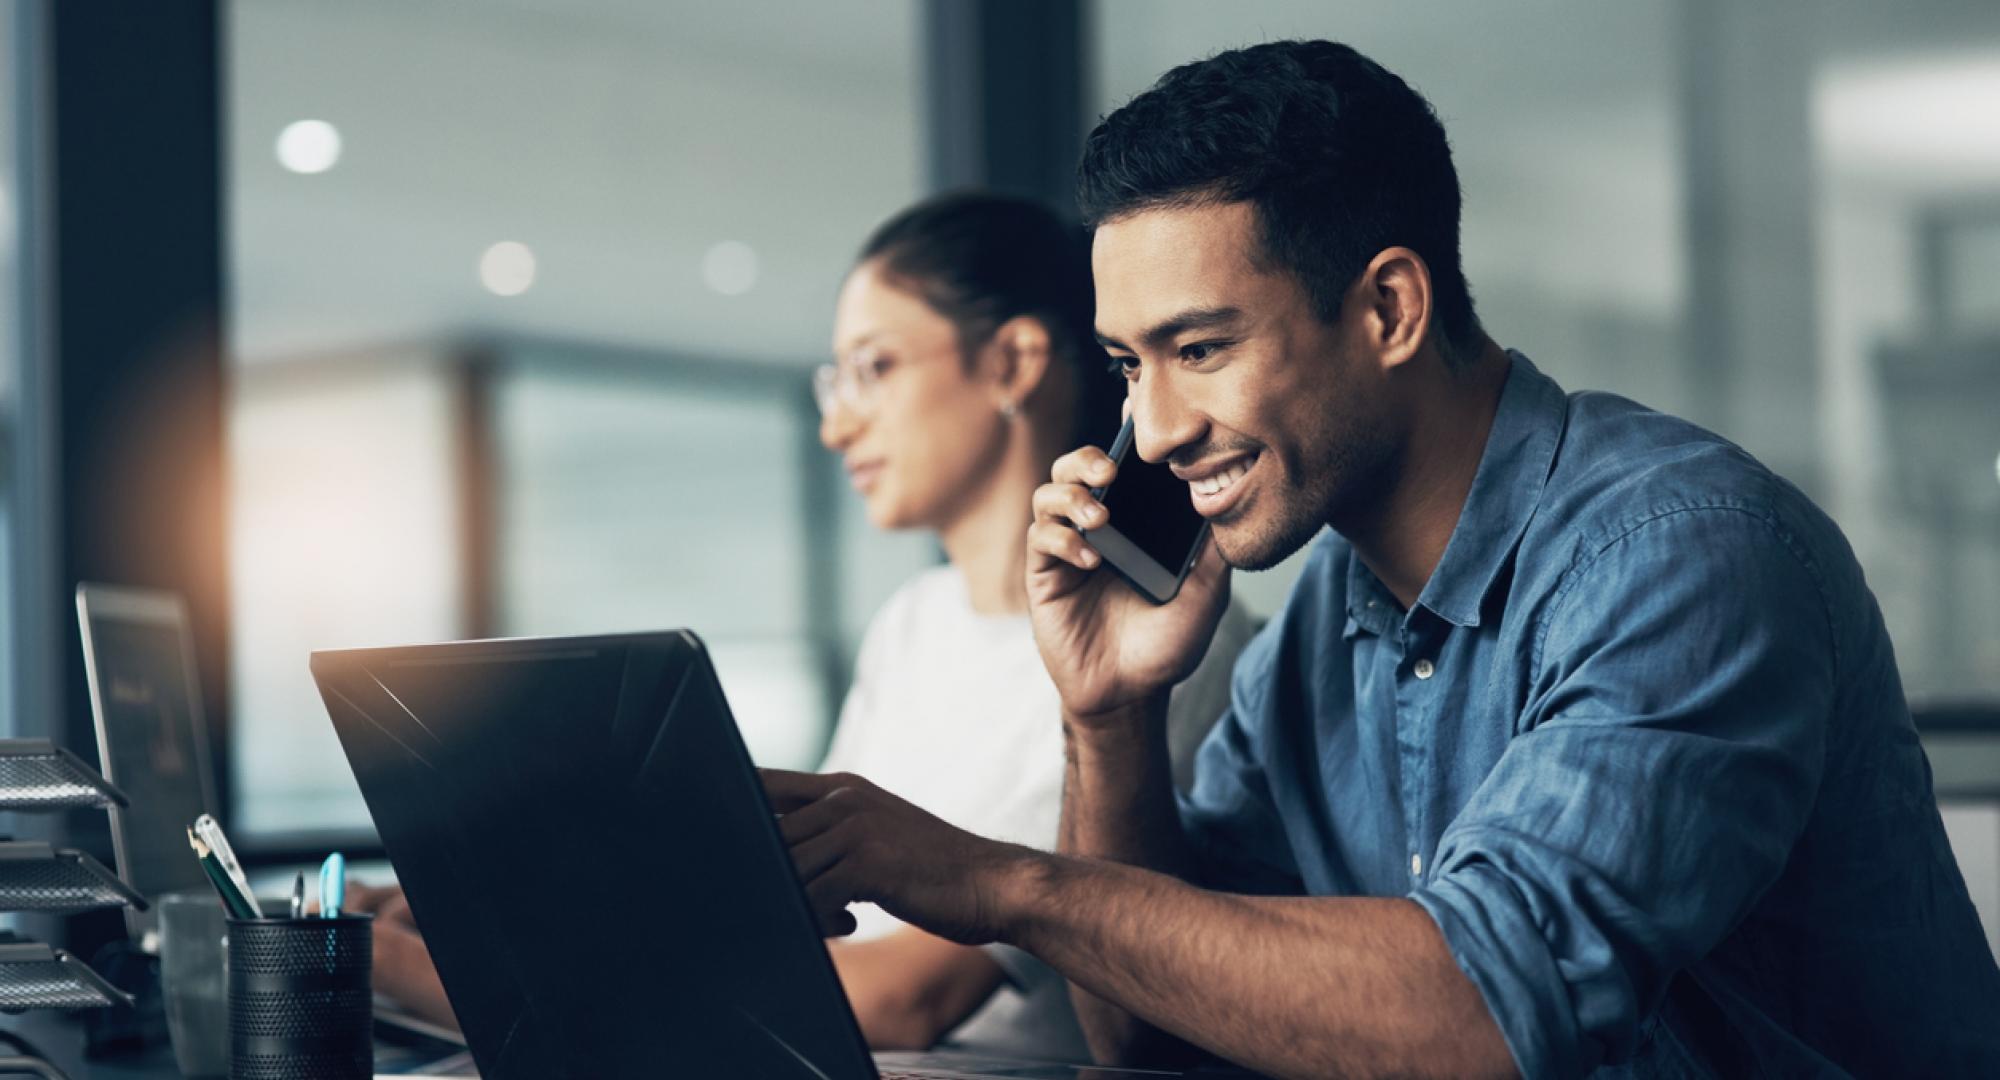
[980, 259]
[1338, 157]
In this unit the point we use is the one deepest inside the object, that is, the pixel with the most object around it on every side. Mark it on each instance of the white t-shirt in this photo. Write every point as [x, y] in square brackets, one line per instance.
[953, 711]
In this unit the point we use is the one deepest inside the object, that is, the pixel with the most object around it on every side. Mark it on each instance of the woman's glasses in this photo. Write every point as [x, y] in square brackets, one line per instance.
[854, 384]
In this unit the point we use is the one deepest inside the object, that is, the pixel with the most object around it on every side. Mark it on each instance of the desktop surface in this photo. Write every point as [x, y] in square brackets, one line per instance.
[59, 1038]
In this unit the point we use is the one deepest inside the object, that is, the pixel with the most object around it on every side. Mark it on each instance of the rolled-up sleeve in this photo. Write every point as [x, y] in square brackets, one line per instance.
[1666, 763]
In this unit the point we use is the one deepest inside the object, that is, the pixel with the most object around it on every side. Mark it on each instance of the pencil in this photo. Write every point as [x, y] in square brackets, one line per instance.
[232, 901]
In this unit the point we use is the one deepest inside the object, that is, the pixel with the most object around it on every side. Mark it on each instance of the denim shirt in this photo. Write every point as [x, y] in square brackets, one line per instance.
[1640, 749]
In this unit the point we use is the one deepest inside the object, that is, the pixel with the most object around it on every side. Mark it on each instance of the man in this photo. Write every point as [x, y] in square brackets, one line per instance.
[1579, 743]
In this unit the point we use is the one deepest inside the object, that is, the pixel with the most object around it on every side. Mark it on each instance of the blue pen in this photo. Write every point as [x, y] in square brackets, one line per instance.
[332, 885]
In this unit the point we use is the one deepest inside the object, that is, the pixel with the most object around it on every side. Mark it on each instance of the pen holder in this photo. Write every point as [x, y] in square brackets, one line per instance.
[300, 1007]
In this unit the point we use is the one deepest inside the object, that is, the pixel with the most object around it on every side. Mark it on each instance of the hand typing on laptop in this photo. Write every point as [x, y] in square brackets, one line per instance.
[403, 968]
[847, 836]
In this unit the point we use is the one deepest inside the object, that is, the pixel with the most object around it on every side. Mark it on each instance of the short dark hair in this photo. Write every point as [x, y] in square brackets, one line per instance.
[980, 259]
[1338, 157]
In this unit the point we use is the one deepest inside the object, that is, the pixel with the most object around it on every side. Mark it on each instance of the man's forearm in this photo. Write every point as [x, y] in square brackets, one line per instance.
[1118, 793]
[1118, 805]
[1288, 986]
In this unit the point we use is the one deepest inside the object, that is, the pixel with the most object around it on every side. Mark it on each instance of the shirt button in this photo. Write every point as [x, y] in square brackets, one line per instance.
[1416, 865]
[1425, 669]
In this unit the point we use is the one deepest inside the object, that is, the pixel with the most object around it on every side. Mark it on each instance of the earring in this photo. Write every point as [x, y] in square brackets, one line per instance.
[1009, 410]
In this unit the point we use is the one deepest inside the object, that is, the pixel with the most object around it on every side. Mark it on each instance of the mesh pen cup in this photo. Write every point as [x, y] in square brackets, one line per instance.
[300, 1007]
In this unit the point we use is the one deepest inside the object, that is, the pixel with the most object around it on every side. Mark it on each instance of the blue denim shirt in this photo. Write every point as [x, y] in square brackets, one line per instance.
[1639, 748]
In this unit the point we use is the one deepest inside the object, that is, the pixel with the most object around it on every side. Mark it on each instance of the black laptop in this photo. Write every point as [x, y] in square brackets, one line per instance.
[587, 848]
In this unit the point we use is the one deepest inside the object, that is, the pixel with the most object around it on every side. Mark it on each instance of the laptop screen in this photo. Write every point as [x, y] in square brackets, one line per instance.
[151, 740]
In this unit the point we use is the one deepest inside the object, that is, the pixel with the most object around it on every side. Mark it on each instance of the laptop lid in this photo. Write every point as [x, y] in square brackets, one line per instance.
[152, 736]
[585, 844]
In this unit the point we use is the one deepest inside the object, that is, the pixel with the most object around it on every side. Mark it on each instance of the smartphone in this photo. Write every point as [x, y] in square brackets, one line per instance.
[1153, 534]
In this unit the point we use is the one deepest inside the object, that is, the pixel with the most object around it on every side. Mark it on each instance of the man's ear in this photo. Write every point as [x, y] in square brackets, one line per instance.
[1396, 289]
[1019, 355]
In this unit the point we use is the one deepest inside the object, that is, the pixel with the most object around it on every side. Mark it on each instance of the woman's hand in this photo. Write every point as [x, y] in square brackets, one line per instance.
[403, 969]
[385, 902]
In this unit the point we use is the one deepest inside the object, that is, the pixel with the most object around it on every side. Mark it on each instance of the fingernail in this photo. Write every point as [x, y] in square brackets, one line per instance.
[1093, 514]
[1089, 557]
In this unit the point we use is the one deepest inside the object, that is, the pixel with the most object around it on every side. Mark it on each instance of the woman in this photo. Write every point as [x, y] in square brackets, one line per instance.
[965, 363]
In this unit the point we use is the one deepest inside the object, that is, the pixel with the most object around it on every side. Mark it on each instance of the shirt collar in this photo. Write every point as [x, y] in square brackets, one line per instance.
[1513, 470]
[1370, 604]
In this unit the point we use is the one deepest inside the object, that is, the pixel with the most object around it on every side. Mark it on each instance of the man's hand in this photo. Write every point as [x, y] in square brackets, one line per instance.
[1107, 647]
[851, 841]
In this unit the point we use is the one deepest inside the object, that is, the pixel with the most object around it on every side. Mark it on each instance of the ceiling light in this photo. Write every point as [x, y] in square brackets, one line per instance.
[309, 146]
[507, 268]
[730, 268]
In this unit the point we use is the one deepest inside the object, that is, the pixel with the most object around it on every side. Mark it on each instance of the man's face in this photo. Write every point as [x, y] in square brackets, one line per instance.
[1279, 422]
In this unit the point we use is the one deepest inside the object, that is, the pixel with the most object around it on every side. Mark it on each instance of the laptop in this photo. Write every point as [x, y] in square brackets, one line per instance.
[152, 738]
[584, 840]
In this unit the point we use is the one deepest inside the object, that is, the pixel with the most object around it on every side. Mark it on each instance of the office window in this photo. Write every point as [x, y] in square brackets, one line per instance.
[420, 187]
[343, 533]
[666, 503]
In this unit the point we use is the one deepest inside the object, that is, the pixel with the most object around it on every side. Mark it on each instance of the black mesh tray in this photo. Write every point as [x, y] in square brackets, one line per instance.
[34, 976]
[36, 774]
[37, 877]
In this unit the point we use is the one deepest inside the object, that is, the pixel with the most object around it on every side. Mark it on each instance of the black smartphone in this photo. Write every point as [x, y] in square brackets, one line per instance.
[1154, 533]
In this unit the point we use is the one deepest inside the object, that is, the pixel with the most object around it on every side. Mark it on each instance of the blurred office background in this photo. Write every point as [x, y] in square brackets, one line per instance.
[518, 301]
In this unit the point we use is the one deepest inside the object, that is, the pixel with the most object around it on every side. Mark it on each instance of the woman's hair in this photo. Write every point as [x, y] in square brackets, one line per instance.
[980, 259]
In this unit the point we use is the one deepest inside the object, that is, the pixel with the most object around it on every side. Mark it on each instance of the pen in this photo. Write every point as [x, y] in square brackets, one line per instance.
[211, 834]
[299, 895]
[332, 885]
[232, 901]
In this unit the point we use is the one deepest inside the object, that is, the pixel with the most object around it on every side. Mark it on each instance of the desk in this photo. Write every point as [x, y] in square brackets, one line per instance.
[59, 1038]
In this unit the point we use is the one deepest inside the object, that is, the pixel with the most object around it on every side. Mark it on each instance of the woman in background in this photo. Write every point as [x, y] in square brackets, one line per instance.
[965, 363]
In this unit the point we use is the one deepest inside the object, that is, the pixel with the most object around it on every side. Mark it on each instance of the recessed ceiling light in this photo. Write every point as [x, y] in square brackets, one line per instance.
[309, 146]
[730, 268]
[507, 268]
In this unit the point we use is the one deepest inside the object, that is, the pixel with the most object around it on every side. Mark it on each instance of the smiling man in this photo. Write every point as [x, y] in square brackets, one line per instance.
[1578, 744]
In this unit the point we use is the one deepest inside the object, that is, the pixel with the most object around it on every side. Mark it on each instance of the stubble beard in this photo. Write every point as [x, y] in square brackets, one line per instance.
[1348, 476]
